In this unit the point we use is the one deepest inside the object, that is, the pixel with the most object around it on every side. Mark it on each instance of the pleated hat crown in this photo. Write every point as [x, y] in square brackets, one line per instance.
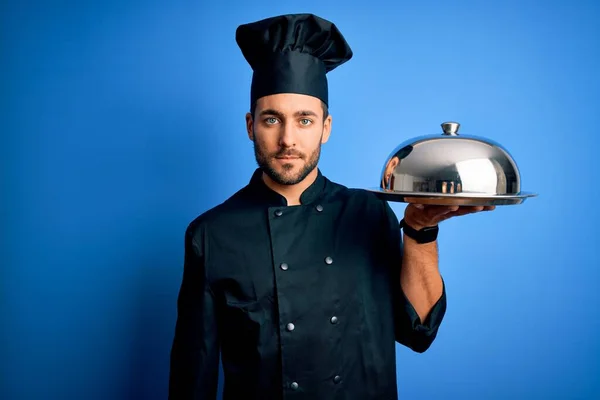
[292, 54]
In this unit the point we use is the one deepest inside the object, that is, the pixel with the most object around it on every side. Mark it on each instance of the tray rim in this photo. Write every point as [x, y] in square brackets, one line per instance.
[462, 195]
[453, 198]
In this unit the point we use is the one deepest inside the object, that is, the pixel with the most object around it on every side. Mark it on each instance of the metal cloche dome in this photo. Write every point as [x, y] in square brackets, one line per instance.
[451, 169]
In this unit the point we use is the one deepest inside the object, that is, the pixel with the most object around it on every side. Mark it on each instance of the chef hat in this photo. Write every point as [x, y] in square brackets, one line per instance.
[292, 54]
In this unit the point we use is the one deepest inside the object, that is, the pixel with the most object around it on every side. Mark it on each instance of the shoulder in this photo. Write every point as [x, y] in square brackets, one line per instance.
[228, 210]
[358, 196]
[371, 212]
[362, 204]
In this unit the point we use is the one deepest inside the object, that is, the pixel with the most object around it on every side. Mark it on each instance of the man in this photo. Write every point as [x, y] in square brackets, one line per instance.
[301, 284]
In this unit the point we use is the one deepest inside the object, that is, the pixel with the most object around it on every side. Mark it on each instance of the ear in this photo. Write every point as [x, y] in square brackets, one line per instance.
[326, 129]
[250, 126]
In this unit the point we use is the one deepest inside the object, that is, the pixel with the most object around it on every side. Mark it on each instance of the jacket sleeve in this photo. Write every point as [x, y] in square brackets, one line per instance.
[410, 331]
[194, 363]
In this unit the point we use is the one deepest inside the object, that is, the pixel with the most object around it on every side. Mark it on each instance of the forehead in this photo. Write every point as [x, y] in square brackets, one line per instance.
[289, 103]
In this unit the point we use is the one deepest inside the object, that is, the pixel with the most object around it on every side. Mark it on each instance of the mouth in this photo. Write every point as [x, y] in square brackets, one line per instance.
[288, 158]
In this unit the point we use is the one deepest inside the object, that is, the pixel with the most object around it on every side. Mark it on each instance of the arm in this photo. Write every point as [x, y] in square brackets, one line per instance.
[422, 296]
[420, 277]
[195, 348]
[419, 291]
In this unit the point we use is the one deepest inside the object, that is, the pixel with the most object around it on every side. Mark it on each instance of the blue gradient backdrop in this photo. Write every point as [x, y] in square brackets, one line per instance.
[121, 121]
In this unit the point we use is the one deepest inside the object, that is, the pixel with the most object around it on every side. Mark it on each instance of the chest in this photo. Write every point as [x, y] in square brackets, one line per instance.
[312, 251]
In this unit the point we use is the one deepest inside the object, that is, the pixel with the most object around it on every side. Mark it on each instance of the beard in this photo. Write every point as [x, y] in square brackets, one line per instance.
[287, 176]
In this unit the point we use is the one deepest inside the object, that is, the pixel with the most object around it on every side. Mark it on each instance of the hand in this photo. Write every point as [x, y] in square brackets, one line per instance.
[419, 216]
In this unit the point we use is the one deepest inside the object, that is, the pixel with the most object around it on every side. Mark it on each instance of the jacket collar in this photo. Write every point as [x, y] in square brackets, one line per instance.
[265, 194]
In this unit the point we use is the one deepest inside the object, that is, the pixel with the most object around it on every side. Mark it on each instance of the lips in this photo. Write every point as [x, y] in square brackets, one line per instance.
[289, 156]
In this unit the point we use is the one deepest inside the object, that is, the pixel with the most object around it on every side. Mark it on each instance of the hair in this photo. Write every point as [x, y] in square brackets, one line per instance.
[323, 106]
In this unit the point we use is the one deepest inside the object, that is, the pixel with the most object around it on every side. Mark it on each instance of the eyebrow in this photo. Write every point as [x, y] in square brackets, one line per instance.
[301, 113]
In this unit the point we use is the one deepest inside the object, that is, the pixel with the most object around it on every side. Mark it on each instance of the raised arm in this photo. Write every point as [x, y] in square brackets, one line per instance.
[419, 291]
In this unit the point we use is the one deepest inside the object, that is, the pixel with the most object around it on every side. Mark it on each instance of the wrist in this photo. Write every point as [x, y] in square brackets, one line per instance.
[418, 232]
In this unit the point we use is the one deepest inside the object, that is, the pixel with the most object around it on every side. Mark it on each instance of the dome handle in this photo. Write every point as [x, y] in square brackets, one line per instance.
[450, 128]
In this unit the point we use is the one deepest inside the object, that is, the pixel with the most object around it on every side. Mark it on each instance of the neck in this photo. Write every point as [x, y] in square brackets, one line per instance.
[292, 193]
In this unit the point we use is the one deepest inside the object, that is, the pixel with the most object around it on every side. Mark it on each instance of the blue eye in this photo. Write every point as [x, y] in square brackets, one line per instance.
[305, 121]
[271, 120]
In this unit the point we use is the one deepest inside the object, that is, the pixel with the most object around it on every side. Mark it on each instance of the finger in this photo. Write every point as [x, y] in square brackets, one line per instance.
[448, 216]
[433, 212]
[473, 209]
[443, 215]
[463, 211]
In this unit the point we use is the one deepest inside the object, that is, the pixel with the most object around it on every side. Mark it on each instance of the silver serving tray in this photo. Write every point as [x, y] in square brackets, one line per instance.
[452, 199]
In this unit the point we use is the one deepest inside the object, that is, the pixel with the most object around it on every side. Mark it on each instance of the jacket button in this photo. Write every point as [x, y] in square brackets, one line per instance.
[334, 320]
[337, 379]
[284, 266]
[328, 260]
[290, 327]
[278, 213]
[294, 385]
[319, 208]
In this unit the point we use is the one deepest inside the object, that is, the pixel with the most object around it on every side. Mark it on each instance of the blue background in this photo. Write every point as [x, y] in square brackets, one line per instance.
[122, 121]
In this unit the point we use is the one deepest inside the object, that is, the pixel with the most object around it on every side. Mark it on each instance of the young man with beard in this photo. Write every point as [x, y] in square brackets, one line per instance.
[302, 285]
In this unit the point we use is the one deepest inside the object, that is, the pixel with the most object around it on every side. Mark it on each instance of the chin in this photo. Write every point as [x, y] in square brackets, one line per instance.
[288, 174]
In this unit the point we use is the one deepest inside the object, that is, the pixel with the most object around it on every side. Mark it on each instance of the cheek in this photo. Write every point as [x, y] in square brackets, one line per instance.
[313, 141]
[264, 143]
[309, 137]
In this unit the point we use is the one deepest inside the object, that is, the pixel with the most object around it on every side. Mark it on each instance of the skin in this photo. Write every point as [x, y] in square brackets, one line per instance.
[420, 277]
[287, 131]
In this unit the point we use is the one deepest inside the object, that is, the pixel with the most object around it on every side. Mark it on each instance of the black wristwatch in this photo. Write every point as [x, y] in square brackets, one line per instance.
[425, 235]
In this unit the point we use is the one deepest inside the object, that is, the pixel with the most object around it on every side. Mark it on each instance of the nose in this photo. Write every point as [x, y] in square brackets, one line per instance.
[286, 135]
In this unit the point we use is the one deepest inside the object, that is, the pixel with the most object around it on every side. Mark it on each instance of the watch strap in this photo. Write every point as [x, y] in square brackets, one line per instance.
[425, 235]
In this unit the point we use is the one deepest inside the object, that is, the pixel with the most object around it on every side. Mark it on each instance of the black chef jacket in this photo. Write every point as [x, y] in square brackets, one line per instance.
[303, 302]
